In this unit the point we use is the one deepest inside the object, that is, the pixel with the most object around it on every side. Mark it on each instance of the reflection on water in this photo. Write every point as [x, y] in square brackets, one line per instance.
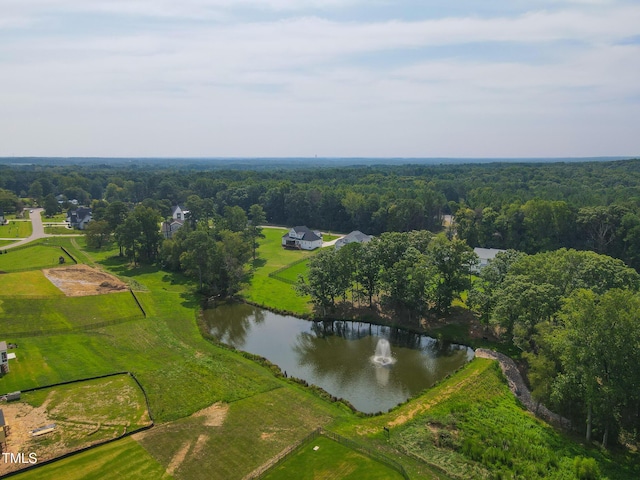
[336, 355]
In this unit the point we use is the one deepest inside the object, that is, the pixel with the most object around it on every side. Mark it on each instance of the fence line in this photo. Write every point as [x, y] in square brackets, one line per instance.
[70, 256]
[138, 302]
[276, 274]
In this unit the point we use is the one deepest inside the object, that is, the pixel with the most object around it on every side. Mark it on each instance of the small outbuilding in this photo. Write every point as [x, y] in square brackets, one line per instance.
[4, 358]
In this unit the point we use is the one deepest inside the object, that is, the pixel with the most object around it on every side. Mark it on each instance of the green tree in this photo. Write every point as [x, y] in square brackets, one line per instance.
[51, 206]
[257, 218]
[97, 234]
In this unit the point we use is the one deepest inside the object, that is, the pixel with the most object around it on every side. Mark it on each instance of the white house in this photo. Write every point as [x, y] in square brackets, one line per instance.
[178, 212]
[485, 255]
[170, 227]
[79, 218]
[302, 238]
[355, 236]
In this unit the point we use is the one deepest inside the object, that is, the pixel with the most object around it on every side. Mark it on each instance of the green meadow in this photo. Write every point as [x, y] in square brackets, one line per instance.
[16, 229]
[32, 257]
[331, 460]
[60, 230]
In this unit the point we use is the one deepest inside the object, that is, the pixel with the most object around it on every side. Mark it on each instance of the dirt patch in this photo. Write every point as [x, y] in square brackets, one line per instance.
[178, 458]
[202, 439]
[82, 280]
[214, 415]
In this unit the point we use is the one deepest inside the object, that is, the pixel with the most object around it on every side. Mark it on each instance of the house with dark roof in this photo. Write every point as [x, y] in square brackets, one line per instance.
[302, 238]
[79, 217]
[354, 237]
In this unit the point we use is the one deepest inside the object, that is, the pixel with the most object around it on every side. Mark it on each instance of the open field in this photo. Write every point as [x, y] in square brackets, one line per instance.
[17, 229]
[31, 283]
[124, 459]
[43, 315]
[270, 291]
[32, 257]
[84, 413]
[331, 461]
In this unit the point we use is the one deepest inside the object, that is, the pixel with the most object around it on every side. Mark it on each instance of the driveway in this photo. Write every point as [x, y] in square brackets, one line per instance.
[37, 231]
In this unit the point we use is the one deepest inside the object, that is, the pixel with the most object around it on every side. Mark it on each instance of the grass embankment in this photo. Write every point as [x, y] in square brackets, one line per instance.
[4, 243]
[331, 461]
[271, 292]
[16, 229]
[471, 426]
[32, 257]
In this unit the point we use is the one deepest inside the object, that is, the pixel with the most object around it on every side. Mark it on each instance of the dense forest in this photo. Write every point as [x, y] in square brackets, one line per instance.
[528, 207]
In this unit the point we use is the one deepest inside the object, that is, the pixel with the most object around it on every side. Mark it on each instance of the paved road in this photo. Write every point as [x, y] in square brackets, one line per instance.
[36, 233]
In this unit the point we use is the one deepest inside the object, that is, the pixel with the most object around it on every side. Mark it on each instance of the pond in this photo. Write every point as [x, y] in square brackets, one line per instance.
[351, 360]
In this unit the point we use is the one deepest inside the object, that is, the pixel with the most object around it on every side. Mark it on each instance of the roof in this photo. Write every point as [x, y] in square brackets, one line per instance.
[175, 208]
[355, 236]
[3, 345]
[307, 233]
[487, 253]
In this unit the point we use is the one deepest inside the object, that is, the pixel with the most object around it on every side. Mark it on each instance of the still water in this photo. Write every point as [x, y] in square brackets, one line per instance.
[339, 356]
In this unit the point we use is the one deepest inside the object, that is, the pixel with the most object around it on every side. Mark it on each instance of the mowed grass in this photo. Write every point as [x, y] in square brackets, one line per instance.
[105, 407]
[331, 461]
[123, 459]
[34, 316]
[16, 229]
[27, 284]
[292, 272]
[32, 257]
[271, 292]
[240, 436]
[60, 230]
[4, 243]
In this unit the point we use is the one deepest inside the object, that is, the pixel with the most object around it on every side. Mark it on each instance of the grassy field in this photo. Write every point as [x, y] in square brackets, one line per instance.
[124, 459]
[31, 283]
[31, 257]
[60, 230]
[19, 314]
[6, 242]
[292, 272]
[16, 229]
[107, 407]
[269, 291]
[331, 461]
[59, 217]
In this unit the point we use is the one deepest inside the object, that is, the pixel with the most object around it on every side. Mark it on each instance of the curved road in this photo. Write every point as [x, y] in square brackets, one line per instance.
[36, 233]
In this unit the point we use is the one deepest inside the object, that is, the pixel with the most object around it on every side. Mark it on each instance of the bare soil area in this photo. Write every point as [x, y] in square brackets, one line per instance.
[82, 280]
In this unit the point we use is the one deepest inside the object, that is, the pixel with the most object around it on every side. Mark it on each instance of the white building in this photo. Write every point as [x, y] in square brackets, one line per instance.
[302, 238]
[486, 255]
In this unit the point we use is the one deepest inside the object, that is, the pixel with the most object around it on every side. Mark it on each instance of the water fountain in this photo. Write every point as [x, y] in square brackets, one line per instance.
[382, 356]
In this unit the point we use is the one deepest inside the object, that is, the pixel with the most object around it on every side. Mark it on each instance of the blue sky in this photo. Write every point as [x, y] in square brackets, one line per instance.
[329, 78]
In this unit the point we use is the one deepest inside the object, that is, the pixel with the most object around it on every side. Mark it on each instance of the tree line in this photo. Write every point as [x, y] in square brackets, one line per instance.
[576, 316]
[413, 273]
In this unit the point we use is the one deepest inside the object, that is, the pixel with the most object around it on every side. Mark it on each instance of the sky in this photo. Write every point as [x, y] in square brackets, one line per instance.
[332, 78]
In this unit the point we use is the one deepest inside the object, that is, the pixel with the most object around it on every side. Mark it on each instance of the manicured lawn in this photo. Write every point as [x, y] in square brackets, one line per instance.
[59, 217]
[60, 230]
[6, 242]
[331, 461]
[292, 272]
[32, 257]
[16, 229]
[269, 291]
[327, 237]
[27, 284]
[58, 313]
[124, 459]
